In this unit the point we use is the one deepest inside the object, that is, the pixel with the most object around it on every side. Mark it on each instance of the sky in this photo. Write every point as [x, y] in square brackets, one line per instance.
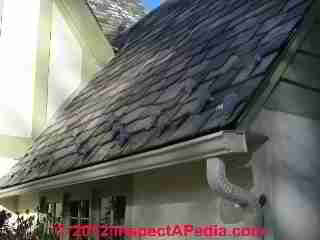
[151, 4]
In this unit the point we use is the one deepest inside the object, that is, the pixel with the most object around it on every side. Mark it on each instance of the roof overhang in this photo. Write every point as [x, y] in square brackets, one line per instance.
[213, 145]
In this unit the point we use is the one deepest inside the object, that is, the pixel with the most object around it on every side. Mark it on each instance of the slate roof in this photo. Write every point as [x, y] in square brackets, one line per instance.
[188, 68]
[115, 16]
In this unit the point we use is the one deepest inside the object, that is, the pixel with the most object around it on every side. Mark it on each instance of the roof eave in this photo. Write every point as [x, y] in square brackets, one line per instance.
[217, 144]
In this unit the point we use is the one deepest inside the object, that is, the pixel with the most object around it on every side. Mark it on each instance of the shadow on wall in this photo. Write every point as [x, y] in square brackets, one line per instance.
[296, 207]
[187, 197]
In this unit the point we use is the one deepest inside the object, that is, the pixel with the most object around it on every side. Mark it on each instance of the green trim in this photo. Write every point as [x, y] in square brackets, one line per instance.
[14, 147]
[278, 68]
[86, 29]
[40, 94]
[305, 102]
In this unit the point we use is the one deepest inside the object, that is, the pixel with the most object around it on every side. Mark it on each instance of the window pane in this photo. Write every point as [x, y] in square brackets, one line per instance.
[84, 209]
[119, 205]
[74, 208]
[74, 221]
[106, 212]
[113, 210]
[79, 211]
[84, 221]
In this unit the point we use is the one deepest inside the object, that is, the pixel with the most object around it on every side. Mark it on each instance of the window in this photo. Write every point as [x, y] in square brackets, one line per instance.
[55, 212]
[112, 212]
[48, 213]
[79, 214]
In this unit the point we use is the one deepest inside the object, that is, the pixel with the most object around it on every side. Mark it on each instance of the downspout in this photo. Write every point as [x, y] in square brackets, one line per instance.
[217, 180]
[219, 183]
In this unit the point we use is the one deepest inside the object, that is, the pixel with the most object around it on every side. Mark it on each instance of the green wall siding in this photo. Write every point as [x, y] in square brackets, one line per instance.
[291, 98]
[298, 91]
[311, 43]
[305, 70]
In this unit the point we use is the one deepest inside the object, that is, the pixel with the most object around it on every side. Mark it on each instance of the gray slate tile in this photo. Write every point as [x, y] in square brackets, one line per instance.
[186, 69]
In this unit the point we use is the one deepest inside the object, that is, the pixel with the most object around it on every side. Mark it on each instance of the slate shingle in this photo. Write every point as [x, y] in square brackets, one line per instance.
[188, 68]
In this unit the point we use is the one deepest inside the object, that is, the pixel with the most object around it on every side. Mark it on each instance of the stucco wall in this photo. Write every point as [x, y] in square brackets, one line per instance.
[18, 53]
[174, 195]
[10, 203]
[288, 165]
[29, 201]
[71, 63]
[65, 63]
[181, 195]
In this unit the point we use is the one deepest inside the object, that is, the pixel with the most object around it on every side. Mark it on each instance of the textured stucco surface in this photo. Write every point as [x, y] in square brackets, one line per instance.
[17, 61]
[65, 63]
[288, 166]
[181, 195]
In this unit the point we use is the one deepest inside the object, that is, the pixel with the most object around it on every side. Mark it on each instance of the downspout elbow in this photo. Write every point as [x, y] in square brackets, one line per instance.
[217, 180]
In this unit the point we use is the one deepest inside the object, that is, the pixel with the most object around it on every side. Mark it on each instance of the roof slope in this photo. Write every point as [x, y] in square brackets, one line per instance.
[188, 68]
[114, 16]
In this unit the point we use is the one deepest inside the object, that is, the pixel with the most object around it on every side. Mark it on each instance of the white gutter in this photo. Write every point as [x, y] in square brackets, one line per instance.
[213, 145]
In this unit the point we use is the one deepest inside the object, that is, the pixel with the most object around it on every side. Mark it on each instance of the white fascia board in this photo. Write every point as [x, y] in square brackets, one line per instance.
[217, 144]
